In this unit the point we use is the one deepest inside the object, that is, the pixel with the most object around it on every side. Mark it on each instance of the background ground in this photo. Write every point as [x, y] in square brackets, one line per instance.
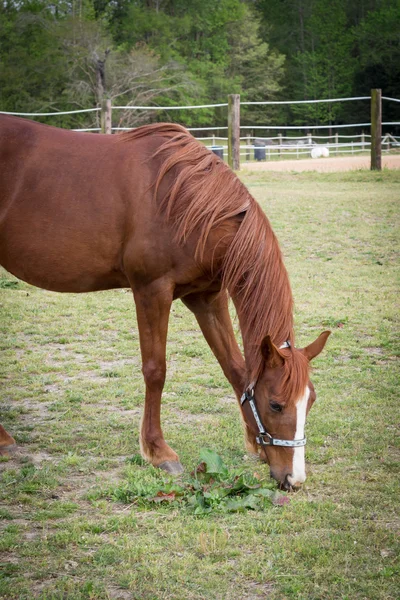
[72, 395]
[323, 165]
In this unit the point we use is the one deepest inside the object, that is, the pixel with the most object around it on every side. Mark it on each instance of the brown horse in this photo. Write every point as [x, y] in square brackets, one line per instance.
[156, 211]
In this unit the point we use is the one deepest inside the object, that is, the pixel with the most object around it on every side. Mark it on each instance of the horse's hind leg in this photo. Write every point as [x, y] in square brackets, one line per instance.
[7, 442]
[153, 303]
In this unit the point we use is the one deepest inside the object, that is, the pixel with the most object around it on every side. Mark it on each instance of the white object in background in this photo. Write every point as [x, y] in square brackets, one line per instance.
[316, 152]
[325, 152]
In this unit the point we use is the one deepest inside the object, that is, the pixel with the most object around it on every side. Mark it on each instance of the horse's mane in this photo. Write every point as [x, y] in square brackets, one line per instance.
[204, 194]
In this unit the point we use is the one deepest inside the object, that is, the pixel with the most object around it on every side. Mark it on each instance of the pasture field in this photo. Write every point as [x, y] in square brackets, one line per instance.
[72, 396]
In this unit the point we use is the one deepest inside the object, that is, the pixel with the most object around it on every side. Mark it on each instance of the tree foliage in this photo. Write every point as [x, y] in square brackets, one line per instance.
[65, 55]
[335, 49]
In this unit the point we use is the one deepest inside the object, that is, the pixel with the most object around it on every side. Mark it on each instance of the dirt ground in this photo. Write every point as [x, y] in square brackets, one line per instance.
[339, 163]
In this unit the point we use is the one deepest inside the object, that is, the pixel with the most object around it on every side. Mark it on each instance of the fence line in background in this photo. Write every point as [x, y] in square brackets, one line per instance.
[235, 146]
[50, 114]
[330, 100]
[170, 107]
[267, 148]
[195, 106]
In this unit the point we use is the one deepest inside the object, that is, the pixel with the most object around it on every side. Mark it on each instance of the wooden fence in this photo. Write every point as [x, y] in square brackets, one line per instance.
[284, 144]
[234, 127]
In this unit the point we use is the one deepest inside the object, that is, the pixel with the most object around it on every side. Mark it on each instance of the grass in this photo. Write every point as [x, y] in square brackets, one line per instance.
[72, 395]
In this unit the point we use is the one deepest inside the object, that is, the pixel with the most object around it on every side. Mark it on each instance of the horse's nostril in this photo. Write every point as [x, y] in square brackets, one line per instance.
[290, 484]
[287, 485]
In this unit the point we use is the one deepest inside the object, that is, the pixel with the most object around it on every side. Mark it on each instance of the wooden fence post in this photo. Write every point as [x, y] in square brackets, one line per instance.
[106, 116]
[376, 129]
[234, 131]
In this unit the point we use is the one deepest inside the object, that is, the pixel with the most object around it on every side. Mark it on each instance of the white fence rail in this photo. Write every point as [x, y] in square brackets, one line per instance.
[267, 148]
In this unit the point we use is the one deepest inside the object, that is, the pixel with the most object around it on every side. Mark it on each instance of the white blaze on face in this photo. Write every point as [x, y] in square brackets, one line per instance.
[299, 464]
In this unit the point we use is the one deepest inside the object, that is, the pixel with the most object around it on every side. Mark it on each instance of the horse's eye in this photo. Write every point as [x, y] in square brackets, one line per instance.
[276, 407]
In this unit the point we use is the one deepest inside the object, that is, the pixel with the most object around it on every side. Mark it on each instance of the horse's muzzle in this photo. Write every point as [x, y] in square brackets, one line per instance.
[287, 483]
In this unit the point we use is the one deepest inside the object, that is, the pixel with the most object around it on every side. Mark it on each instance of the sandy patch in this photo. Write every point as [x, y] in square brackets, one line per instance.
[322, 165]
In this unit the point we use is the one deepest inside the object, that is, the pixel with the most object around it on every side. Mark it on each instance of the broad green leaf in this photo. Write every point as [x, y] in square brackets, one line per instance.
[243, 483]
[266, 493]
[242, 503]
[213, 462]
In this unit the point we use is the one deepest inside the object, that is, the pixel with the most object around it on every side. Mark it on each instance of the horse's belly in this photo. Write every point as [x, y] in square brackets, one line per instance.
[47, 275]
[60, 261]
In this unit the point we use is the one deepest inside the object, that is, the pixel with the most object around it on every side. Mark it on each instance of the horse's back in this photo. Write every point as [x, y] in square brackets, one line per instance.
[68, 203]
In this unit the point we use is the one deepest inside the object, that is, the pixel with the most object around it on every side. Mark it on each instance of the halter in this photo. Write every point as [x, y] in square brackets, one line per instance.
[264, 438]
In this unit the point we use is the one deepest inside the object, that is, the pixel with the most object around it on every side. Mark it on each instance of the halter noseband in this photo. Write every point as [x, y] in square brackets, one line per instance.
[264, 438]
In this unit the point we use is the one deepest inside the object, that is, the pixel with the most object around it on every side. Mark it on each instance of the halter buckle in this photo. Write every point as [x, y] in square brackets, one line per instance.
[264, 439]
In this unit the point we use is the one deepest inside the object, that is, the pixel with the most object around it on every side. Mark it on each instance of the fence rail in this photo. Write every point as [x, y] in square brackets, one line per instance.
[234, 146]
[268, 148]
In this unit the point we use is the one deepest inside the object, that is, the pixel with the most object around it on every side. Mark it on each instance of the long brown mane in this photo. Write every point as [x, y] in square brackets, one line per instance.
[204, 194]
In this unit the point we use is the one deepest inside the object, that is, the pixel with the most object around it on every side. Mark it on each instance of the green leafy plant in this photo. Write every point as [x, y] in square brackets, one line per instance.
[210, 487]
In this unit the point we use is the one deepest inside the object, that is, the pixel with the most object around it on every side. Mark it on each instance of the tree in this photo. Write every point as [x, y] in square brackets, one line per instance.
[64, 59]
[254, 67]
[31, 74]
[335, 49]
[377, 40]
[68, 54]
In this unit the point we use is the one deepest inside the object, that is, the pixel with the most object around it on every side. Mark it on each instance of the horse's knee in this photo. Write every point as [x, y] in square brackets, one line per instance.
[154, 374]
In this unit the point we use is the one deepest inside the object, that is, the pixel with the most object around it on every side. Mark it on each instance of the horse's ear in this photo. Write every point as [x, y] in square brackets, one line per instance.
[317, 346]
[270, 352]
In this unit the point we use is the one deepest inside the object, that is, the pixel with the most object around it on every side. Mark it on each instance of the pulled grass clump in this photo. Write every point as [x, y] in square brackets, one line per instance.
[211, 487]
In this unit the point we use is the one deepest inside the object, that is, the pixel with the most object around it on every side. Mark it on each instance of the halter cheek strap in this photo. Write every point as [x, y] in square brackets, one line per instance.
[264, 438]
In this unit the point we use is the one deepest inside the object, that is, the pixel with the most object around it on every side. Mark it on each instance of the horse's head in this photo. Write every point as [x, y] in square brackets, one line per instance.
[275, 408]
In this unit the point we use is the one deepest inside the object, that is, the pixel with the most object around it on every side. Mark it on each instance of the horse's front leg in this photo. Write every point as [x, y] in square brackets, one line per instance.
[212, 314]
[153, 303]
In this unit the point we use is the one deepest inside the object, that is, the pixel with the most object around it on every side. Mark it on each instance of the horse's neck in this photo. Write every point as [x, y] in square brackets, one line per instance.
[257, 280]
[252, 335]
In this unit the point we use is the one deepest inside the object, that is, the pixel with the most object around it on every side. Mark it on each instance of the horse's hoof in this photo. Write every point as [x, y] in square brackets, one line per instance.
[171, 466]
